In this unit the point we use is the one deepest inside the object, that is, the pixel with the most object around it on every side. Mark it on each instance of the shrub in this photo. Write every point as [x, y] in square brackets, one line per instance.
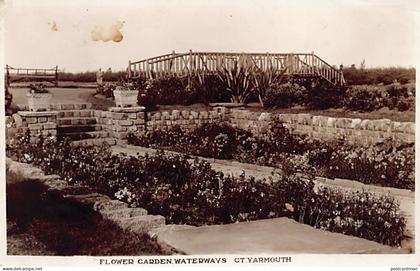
[324, 95]
[365, 98]
[218, 141]
[196, 194]
[369, 98]
[397, 90]
[208, 88]
[401, 97]
[165, 90]
[385, 76]
[107, 89]
[404, 104]
[284, 95]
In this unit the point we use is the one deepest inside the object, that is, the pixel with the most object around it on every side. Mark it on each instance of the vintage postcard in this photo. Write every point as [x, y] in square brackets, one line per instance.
[209, 133]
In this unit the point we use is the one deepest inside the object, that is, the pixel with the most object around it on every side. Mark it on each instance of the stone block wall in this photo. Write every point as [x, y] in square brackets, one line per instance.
[356, 131]
[186, 119]
[36, 123]
[119, 122]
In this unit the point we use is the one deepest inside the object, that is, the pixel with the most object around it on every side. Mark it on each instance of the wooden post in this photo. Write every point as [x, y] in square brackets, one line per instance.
[311, 63]
[269, 64]
[129, 69]
[172, 62]
[7, 76]
[135, 70]
[147, 68]
[159, 66]
[190, 69]
[56, 76]
[164, 66]
[191, 62]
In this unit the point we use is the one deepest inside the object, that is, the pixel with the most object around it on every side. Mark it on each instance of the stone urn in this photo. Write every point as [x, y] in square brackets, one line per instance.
[39, 101]
[125, 97]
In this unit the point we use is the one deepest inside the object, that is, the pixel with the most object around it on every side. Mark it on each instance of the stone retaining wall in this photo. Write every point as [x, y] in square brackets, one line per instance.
[186, 119]
[119, 122]
[44, 123]
[327, 128]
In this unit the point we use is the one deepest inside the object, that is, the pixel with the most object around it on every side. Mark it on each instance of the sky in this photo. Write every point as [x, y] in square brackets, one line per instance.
[80, 36]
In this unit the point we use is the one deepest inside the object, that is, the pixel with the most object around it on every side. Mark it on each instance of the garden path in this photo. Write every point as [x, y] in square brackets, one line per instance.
[268, 236]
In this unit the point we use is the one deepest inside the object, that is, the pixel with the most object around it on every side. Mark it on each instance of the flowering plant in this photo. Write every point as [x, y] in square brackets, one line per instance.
[38, 88]
[196, 194]
[388, 163]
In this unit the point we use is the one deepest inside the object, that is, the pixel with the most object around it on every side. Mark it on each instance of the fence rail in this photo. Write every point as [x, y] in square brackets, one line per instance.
[294, 64]
[18, 74]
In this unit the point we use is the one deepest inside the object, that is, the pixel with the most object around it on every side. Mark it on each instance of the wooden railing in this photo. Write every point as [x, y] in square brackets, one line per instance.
[17, 74]
[298, 65]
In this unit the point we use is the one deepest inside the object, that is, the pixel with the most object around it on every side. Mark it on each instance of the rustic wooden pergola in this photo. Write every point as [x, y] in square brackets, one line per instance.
[298, 65]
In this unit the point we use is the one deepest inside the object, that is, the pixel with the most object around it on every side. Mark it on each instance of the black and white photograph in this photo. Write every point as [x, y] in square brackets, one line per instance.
[209, 132]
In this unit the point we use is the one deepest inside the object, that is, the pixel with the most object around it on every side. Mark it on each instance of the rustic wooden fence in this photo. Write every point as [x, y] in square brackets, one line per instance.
[19, 74]
[300, 65]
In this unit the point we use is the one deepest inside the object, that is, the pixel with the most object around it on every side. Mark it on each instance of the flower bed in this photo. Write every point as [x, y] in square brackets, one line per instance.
[388, 164]
[194, 193]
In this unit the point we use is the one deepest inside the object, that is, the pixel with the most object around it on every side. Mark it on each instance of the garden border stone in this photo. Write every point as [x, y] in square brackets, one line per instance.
[135, 220]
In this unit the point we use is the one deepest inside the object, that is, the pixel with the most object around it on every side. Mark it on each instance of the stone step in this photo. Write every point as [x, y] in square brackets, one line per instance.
[78, 128]
[76, 113]
[140, 224]
[94, 142]
[55, 107]
[87, 199]
[77, 121]
[77, 106]
[123, 213]
[83, 135]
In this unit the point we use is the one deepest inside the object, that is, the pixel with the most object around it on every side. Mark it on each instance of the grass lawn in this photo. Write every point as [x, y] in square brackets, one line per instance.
[98, 101]
[59, 95]
[44, 223]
